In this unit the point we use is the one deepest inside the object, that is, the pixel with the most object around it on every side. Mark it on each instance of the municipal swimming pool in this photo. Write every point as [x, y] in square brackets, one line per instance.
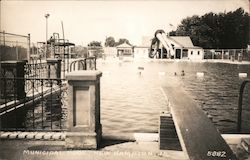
[131, 99]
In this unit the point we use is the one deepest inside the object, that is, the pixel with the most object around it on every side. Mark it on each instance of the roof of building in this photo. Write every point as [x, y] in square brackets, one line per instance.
[124, 45]
[179, 41]
[141, 46]
[183, 41]
[194, 47]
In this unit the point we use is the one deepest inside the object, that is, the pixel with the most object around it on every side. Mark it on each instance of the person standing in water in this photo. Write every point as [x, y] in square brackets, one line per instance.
[182, 73]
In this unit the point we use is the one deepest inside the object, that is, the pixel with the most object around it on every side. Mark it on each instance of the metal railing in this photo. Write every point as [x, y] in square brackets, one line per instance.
[243, 84]
[35, 100]
[14, 46]
[227, 54]
[33, 96]
[36, 70]
[42, 108]
[78, 65]
[83, 64]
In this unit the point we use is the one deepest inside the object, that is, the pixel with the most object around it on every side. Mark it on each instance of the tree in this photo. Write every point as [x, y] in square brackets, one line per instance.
[223, 30]
[236, 29]
[95, 44]
[95, 49]
[172, 33]
[109, 42]
[81, 51]
[121, 41]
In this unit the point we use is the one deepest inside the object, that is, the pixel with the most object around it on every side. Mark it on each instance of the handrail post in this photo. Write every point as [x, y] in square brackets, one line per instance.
[240, 105]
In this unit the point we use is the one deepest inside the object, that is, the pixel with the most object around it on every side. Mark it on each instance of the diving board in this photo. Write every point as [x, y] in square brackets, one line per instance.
[198, 136]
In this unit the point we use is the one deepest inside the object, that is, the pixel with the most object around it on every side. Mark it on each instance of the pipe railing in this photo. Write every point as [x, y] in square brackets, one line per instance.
[243, 84]
[83, 64]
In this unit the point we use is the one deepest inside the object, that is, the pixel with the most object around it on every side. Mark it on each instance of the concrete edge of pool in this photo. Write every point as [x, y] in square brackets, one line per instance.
[114, 146]
[137, 137]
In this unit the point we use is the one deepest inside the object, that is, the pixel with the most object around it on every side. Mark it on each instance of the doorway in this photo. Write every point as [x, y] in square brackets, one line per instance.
[178, 54]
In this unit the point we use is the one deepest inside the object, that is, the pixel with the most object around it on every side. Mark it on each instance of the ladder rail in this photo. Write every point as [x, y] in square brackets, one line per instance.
[242, 87]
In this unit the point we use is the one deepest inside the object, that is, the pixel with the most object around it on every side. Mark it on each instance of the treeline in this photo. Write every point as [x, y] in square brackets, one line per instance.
[223, 30]
[110, 42]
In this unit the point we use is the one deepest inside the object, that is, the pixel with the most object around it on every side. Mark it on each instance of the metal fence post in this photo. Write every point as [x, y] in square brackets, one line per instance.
[15, 71]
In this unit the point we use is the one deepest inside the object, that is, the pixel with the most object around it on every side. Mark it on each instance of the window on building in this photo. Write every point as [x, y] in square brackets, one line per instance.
[184, 53]
[191, 52]
[198, 52]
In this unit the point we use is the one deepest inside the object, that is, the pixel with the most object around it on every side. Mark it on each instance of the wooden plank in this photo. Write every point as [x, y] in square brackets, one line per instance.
[198, 136]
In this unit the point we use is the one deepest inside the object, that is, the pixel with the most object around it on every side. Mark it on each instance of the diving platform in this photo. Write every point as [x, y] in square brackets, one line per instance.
[198, 137]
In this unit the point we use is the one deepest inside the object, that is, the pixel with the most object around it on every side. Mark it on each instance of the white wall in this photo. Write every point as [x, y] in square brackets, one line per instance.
[193, 54]
[141, 52]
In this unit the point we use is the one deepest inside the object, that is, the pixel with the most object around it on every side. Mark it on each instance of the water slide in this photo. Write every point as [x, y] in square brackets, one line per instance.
[161, 37]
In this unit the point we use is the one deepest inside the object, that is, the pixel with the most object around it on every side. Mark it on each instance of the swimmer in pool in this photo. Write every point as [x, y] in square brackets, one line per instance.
[182, 73]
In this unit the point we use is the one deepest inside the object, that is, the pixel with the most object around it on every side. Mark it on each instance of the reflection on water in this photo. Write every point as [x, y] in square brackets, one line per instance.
[132, 100]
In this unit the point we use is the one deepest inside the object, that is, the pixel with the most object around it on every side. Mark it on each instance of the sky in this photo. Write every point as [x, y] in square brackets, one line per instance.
[85, 21]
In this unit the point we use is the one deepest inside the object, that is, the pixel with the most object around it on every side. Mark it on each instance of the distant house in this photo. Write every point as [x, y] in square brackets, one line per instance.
[124, 49]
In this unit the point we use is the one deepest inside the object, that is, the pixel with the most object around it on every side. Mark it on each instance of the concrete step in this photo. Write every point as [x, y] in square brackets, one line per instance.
[245, 143]
[168, 139]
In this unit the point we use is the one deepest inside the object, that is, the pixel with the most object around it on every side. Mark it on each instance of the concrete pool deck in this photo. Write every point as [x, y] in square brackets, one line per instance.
[110, 149]
[113, 147]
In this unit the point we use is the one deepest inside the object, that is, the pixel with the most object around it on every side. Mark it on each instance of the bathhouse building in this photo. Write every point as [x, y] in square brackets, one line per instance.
[183, 48]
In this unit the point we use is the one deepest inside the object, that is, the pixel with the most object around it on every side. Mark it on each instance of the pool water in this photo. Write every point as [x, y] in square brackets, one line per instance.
[132, 100]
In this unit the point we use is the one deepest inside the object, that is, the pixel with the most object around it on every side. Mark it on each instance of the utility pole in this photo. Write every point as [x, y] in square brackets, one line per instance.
[17, 56]
[28, 49]
[46, 45]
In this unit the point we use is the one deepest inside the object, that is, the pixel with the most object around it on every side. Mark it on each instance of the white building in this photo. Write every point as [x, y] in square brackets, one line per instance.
[141, 52]
[185, 48]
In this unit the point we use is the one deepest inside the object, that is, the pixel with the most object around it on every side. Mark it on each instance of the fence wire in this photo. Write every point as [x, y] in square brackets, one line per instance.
[14, 46]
